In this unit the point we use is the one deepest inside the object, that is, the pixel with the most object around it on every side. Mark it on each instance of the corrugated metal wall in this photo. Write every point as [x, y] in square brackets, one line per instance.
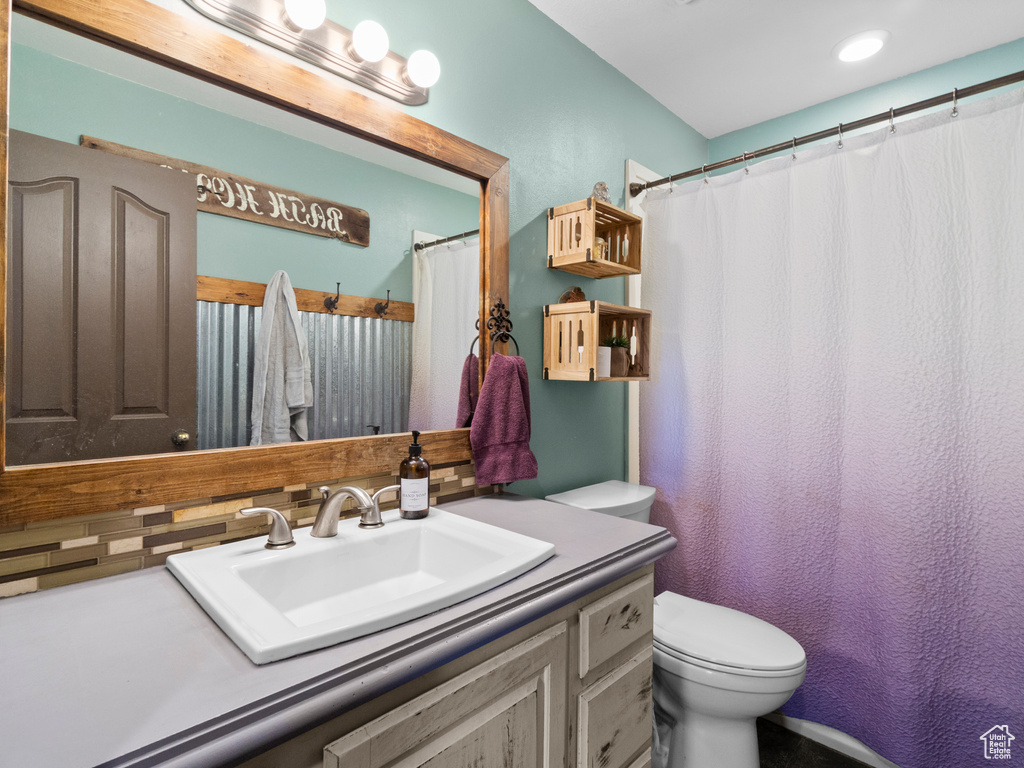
[361, 369]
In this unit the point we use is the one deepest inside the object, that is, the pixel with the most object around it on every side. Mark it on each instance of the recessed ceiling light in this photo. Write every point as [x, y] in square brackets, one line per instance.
[861, 46]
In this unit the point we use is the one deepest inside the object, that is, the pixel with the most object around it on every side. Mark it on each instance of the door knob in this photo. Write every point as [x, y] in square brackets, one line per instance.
[181, 438]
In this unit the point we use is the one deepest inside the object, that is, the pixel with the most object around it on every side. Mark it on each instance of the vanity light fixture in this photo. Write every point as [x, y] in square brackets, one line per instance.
[300, 28]
[861, 46]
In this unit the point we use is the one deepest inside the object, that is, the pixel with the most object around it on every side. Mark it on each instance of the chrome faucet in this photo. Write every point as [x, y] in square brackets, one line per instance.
[326, 523]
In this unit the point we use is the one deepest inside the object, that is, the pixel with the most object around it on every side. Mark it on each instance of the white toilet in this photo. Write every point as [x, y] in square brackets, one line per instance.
[716, 670]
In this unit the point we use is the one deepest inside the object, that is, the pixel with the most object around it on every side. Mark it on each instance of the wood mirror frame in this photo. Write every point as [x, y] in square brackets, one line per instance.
[52, 491]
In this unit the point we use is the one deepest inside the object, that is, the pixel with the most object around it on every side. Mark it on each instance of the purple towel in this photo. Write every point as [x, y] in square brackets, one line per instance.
[468, 391]
[500, 434]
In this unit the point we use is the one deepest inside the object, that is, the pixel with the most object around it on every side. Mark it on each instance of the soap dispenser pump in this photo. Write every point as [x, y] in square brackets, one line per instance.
[414, 477]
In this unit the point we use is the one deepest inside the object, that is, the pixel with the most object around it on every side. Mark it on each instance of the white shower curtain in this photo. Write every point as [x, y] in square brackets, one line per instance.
[446, 290]
[835, 421]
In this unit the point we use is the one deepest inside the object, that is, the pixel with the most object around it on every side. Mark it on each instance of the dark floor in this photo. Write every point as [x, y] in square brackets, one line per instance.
[782, 748]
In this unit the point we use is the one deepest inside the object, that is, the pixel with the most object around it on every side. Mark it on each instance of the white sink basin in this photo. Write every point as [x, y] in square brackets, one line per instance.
[278, 603]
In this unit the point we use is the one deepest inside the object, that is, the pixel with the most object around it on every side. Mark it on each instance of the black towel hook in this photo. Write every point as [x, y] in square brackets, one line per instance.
[500, 326]
[331, 302]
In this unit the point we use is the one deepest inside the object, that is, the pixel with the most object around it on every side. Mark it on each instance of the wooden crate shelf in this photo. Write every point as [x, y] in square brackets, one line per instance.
[584, 324]
[573, 231]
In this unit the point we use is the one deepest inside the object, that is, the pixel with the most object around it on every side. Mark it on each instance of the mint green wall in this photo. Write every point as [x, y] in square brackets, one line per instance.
[56, 98]
[960, 73]
[516, 83]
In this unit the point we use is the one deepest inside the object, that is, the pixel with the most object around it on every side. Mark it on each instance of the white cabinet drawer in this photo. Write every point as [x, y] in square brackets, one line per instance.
[613, 623]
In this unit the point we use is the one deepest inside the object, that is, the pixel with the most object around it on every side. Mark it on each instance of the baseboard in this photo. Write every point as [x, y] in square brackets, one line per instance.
[830, 737]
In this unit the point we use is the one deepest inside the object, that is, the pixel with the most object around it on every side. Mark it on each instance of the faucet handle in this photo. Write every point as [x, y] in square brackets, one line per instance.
[280, 532]
[371, 516]
[382, 491]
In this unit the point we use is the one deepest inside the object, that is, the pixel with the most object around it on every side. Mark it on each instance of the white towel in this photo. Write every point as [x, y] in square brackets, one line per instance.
[281, 386]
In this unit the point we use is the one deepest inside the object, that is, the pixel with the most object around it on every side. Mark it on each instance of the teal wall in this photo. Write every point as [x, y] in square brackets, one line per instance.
[516, 83]
[959, 73]
[55, 98]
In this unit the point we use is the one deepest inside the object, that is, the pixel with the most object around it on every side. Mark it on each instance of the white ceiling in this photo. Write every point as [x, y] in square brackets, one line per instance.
[722, 65]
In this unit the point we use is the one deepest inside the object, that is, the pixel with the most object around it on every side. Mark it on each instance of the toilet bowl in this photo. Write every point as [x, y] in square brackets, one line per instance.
[716, 670]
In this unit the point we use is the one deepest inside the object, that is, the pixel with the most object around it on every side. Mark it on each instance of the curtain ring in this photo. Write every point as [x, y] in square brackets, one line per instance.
[892, 125]
[840, 135]
[794, 147]
[955, 111]
[746, 166]
[704, 169]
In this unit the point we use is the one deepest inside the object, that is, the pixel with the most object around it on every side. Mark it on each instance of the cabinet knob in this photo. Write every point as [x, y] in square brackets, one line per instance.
[181, 438]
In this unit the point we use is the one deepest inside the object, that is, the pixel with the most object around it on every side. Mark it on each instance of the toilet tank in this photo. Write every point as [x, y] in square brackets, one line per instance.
[612, 497]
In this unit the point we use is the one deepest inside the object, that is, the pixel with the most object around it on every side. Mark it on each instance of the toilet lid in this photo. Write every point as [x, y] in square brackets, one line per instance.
[612, 497]
[691, 628]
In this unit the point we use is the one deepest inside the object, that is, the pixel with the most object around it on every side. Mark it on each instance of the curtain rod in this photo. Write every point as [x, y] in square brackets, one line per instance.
[421, 245]
[957, 93]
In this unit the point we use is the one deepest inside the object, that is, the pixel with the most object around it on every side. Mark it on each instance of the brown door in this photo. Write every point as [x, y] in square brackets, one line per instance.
[101, 312]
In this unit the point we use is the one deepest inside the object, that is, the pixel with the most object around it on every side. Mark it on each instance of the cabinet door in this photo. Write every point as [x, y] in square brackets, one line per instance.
[614, 716]
[507, 711]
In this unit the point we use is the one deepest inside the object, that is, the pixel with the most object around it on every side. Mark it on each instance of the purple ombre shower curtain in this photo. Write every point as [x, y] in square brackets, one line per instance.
[836, 420]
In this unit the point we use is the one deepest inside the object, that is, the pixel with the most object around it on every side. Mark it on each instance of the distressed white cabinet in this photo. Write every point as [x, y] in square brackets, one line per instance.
[509, 710]
[614, 670]
[572, 688]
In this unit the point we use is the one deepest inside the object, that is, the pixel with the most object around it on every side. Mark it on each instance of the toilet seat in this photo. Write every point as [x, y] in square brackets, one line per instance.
[717, 638]
[674, 661]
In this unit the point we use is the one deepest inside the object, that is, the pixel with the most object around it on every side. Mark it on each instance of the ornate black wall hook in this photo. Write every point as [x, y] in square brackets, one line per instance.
[331, 302]
[381, 308]
[500, 326]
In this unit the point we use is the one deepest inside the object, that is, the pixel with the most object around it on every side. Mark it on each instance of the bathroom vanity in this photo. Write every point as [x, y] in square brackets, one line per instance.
[552, 668]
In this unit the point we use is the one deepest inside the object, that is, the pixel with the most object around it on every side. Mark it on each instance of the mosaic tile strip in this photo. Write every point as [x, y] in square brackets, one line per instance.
[52, 553]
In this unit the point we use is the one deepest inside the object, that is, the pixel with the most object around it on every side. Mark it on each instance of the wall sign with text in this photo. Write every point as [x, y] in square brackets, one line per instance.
[227, 194]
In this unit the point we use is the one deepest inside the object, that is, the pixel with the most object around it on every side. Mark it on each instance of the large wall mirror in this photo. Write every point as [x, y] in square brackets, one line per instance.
[171, 85]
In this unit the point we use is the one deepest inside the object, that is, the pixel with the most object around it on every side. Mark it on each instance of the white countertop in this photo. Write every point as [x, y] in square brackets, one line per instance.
[130, 671]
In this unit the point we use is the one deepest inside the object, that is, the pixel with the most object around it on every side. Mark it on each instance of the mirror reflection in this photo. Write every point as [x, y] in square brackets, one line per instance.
[118, 308]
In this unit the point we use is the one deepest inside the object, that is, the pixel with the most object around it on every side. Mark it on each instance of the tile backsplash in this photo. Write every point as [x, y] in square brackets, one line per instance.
[35, 556]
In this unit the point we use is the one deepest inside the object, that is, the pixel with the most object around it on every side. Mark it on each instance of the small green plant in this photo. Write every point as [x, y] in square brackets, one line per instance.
[616, 341]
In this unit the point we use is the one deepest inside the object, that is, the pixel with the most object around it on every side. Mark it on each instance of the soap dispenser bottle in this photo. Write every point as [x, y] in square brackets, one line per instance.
[414, 477]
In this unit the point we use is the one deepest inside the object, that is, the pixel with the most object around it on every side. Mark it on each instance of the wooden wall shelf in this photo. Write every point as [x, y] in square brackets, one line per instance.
[573, 232]
[573, 332]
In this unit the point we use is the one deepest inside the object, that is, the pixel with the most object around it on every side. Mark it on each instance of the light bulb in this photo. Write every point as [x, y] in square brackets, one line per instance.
[423, 68]
[306, 14]
[860, 46]
[370, 41]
